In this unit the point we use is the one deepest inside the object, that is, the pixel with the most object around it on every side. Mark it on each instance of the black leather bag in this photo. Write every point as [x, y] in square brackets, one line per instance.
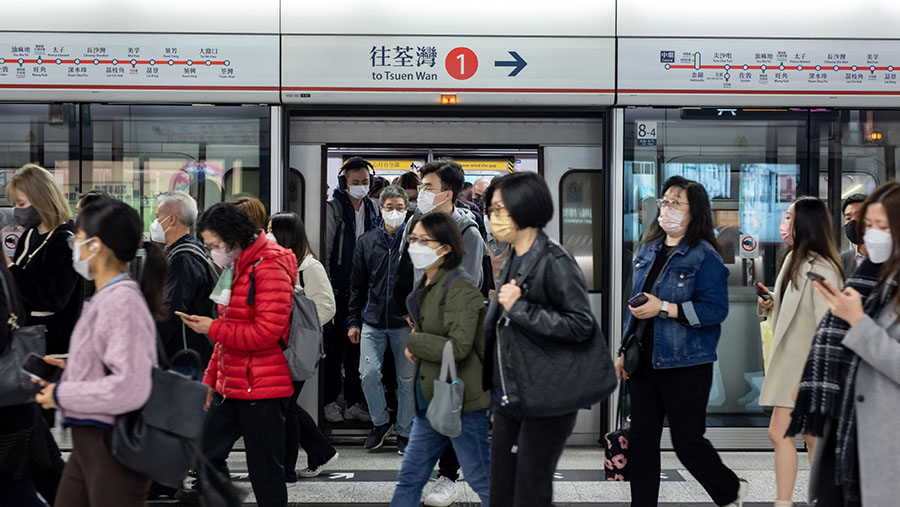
[16, 387]
[631, 345]
[159, 440]
[574, 376]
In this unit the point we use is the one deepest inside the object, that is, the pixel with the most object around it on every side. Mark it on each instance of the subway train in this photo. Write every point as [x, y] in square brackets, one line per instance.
[761, 102]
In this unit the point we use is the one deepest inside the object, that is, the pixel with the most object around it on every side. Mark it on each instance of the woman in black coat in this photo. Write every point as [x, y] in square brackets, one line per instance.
[30, 461]
[51, 292]
[542, 299]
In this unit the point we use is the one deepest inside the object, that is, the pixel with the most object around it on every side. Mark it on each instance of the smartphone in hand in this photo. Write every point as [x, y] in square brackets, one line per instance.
[638, 300]
[182, 314]
[766, 295]
[815, 276]
[37, 368]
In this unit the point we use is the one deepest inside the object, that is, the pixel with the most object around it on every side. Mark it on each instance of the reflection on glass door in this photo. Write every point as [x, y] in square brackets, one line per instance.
[751, 168]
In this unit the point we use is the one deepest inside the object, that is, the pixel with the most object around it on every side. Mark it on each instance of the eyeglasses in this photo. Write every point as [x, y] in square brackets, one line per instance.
[499, 210]
[72, 241]
[401, 209]
[415, 239]
[665, 203]
[429, 188]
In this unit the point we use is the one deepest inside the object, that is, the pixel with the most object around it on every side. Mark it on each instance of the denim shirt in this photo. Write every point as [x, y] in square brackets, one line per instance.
[696, 279]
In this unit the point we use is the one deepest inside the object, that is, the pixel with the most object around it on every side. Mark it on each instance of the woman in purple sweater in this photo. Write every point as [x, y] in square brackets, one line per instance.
[115, 334]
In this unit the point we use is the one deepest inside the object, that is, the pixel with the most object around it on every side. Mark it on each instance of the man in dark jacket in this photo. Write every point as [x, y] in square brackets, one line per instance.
[192, 275]
[376, 320]
[347, 217]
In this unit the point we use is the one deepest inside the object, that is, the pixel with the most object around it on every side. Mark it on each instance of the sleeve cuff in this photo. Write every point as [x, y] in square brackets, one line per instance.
[56, 395]
[861, 330]
[690, 313]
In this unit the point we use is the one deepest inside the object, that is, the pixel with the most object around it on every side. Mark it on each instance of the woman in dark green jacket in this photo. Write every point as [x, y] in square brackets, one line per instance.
[445, 306]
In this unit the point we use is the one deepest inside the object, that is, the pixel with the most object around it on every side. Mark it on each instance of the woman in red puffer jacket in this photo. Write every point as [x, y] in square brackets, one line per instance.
[250, 383]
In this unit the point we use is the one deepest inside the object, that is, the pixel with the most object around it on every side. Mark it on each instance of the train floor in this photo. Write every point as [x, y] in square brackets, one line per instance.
[366, 478]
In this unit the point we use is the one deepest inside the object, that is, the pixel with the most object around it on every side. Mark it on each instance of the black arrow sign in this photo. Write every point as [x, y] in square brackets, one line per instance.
[519, 63]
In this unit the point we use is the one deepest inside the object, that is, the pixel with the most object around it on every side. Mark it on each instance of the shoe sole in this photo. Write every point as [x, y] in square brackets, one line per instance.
[439, 504]
[321, 467]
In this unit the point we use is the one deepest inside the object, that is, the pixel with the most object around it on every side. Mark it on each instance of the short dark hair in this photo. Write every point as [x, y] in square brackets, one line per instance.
[290, 233]
[92, 196]
[234, 227]
[442, 228]
[408, 181]
[853, 199]
[526, 197]
[450, 173]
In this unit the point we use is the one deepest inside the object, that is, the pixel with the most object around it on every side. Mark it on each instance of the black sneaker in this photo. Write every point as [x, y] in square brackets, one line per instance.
[290, 476]
[157, 491]
[377, 436]
[402, 442]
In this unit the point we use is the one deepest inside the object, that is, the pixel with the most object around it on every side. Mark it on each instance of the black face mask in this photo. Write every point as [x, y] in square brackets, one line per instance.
[480, 203]
[852, 232]
[27, 217]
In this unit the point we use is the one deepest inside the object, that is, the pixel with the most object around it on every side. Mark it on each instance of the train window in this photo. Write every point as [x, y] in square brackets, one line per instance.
[581, 218]
[213, 153]
[750, 164]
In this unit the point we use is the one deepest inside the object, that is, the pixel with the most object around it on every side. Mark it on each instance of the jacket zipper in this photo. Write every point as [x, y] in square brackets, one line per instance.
[222, 371]
[504, 400]
[387, 289]
[249, 373]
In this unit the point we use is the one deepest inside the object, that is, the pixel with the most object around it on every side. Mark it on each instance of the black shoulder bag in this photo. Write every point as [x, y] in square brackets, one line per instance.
[16, 386]
[159, 440]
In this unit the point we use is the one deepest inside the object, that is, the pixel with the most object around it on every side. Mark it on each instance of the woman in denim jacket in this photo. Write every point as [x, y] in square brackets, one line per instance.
[680, 271]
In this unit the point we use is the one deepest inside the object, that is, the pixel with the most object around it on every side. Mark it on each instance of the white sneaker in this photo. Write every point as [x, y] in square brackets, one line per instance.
[443, 494]
[333, 413]
[359, 413]
[309, 473]
[742, 494]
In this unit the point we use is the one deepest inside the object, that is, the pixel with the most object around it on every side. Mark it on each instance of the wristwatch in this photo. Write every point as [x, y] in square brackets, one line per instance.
[664, 311]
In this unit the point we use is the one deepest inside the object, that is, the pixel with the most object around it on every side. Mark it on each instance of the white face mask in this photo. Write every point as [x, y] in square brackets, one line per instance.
[670, 220]
[224, 256]
[157, 233]
[358, 191]
[422, 256]
[271, 237]
[426, 201]
[879, 245]
[80, 265]
[394, 218]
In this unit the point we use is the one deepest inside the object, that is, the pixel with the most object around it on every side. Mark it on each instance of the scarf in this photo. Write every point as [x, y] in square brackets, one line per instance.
[828, 383]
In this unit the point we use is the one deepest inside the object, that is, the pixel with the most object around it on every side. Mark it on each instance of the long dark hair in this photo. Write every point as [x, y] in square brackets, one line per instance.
[813, 235]
[290, 233]
[888, 195]
[701, 226]
[119, 227]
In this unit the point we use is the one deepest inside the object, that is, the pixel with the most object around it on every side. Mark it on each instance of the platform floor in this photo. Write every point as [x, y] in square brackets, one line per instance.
[363, 477]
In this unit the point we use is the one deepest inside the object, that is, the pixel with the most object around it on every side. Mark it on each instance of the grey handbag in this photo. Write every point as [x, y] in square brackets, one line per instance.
[445, 410]
[16, 387]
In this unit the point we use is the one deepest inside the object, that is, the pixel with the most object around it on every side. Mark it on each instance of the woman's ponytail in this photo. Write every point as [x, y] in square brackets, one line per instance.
[153, 278]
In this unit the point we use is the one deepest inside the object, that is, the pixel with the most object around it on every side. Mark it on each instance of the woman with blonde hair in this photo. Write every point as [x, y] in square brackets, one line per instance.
[51, 292]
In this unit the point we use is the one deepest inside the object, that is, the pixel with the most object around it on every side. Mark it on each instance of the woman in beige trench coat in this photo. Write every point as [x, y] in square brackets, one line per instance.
[794, 312]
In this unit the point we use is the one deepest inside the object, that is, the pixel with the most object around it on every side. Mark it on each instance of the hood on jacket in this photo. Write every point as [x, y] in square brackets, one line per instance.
[262, 248]
[463, 218]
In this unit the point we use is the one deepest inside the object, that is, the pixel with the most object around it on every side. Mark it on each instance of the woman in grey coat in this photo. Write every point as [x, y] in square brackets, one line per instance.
[873, 375]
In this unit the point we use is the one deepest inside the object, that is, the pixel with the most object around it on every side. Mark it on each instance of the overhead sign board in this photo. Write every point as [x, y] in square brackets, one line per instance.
[756, 72]
[139, 67]
[418, 70]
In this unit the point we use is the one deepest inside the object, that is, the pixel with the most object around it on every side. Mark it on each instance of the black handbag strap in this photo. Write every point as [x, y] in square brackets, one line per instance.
[621, 414]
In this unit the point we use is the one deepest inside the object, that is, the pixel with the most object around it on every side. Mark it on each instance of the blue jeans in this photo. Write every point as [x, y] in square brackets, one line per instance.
[372, 346]
[426, 446]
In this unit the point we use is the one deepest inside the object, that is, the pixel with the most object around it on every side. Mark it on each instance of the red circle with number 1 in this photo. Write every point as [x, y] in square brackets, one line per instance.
[461, 63]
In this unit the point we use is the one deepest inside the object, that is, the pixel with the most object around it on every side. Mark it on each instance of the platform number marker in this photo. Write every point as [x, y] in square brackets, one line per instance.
[645, 133]
[461, 63]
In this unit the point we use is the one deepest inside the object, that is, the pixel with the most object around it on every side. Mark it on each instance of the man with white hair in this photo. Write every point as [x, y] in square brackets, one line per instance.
[192, 274]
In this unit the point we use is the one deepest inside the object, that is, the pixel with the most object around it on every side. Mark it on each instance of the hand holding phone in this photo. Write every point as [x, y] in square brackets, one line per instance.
[815, 276]
[638, 300]
[763, 292]
[37, 368]
[183, 315]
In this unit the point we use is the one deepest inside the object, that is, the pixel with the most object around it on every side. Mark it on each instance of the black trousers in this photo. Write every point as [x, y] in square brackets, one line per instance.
[829, 494]
[448, 465]
[341, 358]
[682, 395]
[261, 423]
[524, 455]
[300, 430]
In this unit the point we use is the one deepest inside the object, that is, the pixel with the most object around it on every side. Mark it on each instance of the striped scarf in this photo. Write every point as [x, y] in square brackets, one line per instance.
[829, 381]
